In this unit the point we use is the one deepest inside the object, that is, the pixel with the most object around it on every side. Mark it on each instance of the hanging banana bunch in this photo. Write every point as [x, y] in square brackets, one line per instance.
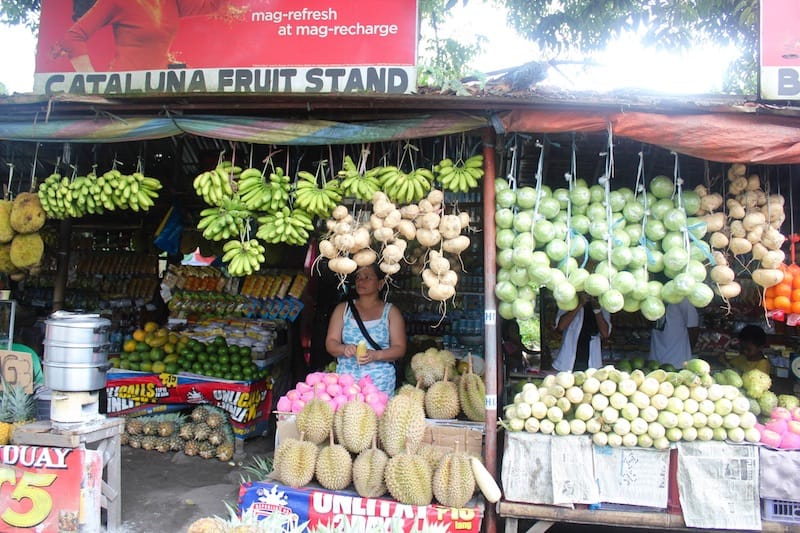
[243, 257]
[460, 176]
[290, 226]
[314, 200]
[214, 185]
[405, 187]
[220, 223]
[264, 193]
[354, 184]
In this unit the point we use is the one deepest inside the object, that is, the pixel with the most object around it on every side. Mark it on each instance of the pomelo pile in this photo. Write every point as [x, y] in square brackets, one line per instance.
[336, 389]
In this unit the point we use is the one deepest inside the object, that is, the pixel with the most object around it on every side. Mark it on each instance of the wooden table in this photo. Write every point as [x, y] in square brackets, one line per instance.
[547, 515]
[105, 435]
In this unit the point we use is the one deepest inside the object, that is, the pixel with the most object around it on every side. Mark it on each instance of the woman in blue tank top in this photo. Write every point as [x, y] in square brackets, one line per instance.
[383, 322]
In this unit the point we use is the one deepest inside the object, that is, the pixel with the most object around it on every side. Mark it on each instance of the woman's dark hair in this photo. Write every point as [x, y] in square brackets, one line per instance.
[753, 334]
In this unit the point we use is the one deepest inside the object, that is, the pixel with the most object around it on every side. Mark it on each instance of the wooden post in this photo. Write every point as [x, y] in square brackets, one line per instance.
[62, 263]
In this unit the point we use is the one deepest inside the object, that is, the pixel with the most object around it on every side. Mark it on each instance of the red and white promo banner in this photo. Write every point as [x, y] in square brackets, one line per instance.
[122, 47]
[780, 50]
[47, 489]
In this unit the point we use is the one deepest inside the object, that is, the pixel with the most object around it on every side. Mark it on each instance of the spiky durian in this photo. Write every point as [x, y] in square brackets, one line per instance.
[413, 391]
[402, 425]
[295, 462]
[334, 469]
[429, 366]
[472, 394]
[453, 480]
[315, 420]
[441, 400]
[368, 472]
[355, 426]
[409, 479]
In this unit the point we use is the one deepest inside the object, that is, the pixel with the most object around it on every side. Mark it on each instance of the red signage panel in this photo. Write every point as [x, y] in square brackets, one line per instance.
[182, 46]
[780, 50]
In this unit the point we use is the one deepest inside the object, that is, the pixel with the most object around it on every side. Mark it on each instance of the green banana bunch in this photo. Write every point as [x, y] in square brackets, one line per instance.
[353, 184]
[461, 176]
[315, 200]
[214, 185]
[259, 194]
[223, 222]
[405, 187]
[53, 196]
[291, 226]
[243, 257]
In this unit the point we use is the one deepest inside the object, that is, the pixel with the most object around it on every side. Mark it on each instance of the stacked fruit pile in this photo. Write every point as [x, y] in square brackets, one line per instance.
[336, 389]
[17, 408]
[63, 197]
[21, 245]
[339, 447]
[206, 432]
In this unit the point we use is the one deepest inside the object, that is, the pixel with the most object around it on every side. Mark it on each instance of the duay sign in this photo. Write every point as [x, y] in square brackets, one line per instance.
[780, 50]
[135, 47]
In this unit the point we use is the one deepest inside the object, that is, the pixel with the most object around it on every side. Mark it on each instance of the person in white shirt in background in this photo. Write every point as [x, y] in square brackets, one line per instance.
[674, 334]
[583, 329]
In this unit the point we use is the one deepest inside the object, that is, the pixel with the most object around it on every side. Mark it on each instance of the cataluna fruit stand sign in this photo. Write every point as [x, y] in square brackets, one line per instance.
[780, 50]
[130, 47]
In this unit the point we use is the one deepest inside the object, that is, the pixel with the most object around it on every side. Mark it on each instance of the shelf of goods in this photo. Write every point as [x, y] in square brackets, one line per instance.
[229, 363]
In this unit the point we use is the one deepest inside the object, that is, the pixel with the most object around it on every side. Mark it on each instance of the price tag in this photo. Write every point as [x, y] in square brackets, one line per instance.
[490, 317]
[28, 486]
[490, 404]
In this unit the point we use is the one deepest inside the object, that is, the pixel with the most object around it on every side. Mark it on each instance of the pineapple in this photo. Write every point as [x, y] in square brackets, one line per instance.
[175, 443]
[186, 431]
[135, 441]
[199, 414]
[215, 419]
[225, 452]
[123, 438]
[201, 431]
[216, 437]
[150, 427]
[206, 450]
[149, 442]
[133, 426]
[17, 408]
[190, 448]
[162, 444]
[165, 428]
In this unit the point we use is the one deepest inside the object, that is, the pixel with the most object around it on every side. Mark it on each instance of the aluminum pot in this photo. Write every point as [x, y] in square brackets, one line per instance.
[70, 377]
[84, 354]
[76, 328]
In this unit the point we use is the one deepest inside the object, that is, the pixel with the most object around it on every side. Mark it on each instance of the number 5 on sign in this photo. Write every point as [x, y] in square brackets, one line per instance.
[28, 487]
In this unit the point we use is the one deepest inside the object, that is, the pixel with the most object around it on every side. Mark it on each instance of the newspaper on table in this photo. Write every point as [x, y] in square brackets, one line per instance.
[573, 470]
[632, 476]
[718, 485]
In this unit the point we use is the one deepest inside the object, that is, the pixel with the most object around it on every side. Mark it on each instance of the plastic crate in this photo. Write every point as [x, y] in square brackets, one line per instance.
[781, 511]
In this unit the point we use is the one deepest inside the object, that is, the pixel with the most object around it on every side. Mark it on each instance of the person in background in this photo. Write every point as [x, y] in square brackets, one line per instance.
[383, 322]
[752, 340]
[583, 330]
[143, 31]
[675, 334]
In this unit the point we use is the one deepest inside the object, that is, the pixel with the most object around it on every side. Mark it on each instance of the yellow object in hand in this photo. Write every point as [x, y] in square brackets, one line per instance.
[361, 349]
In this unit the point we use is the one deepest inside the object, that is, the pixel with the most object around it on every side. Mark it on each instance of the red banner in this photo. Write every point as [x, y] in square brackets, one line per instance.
[247, 403]
[49, 489]
[182, 46]
[780, 50]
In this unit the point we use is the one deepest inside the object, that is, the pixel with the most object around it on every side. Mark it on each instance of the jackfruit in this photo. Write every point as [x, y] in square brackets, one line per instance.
[27, 215]
[334, 468]
[441, 400]
[355, 425]
[433, 453]
[26, 250]
[368, 472]
[409, 479]
[472, 395]
[6, 231]
[315, 420]
[294, 462]
[453, 480]
[6, 266]
[402, 425]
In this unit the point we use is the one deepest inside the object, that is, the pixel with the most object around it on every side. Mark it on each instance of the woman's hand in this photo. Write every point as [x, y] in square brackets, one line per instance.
[370, 357]
[349, 350]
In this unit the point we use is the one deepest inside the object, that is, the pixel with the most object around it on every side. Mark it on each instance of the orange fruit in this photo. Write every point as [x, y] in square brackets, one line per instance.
[796, 282]
[783, 303]
[129, 346]
[794, 268]
[788, 279]
[782, 289]
[769, 304]
[150, 327]
[770, 292]
[795, 297]
[796, 307]
[139, 335]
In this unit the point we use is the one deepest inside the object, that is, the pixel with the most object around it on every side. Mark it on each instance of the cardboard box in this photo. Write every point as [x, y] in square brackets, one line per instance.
[468, 435]
[17, 369]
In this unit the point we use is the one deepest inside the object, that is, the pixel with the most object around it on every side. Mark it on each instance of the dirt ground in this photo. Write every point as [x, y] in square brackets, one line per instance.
[166, 492]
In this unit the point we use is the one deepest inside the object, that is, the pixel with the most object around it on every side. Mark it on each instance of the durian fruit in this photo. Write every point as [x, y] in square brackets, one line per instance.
[26, 250]
[441, 400]
[6, 231]
[413, 391]
[27, 215]
[453, 480]
[355, 426]
[409, 479]
[429, 366]
[295, 461]
[402, 425]
[433, 453]
[472, 394]
[368, 472]
[315, 420]
[334, 469]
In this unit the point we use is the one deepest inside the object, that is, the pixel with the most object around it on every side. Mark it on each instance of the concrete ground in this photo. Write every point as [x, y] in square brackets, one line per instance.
[166, 492]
